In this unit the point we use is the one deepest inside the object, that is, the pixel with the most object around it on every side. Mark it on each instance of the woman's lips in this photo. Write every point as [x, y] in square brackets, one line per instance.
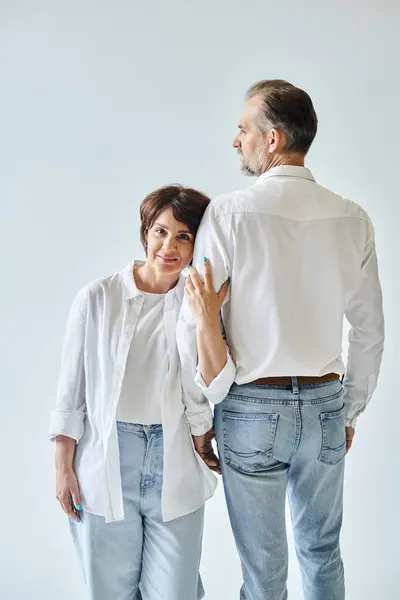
[167, 260]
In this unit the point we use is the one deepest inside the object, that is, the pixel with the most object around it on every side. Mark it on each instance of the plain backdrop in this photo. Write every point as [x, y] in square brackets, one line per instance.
[102, 102]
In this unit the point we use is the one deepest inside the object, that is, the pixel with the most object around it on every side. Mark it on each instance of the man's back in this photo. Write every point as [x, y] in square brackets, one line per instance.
[300, 258]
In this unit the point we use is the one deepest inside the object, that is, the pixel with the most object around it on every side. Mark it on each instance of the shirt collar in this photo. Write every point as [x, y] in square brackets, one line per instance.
[287, 171]
[132, 291]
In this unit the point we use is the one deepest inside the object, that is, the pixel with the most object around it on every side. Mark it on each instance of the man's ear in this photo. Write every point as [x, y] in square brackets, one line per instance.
[276, 141]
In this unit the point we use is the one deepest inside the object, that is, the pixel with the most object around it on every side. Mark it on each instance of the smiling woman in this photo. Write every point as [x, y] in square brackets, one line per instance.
[170, 217]
[120, 390]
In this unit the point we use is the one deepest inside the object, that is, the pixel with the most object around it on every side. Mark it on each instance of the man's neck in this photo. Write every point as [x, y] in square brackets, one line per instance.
[292, 160]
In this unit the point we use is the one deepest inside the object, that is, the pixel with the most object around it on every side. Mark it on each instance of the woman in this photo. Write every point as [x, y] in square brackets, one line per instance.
[127, 473]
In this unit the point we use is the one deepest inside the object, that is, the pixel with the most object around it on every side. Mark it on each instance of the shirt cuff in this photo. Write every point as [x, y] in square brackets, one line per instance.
[350, 422]
[200, 423]
[68, 423]
[220, 386]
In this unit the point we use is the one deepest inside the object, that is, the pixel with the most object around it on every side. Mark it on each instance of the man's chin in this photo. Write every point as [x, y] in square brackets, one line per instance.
[247, 171]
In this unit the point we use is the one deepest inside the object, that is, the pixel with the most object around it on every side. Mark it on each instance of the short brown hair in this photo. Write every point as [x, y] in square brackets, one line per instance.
[289, 109]
[188, 206]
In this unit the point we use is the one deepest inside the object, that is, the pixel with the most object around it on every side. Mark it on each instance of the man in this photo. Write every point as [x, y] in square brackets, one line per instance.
[300, 258]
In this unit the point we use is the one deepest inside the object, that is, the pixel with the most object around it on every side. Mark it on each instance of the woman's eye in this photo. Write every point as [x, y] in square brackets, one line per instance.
[185, 237]
[160, 231]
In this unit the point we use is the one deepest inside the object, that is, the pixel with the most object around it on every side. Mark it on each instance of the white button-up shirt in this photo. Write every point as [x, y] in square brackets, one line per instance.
[300, 259]
[98, 337]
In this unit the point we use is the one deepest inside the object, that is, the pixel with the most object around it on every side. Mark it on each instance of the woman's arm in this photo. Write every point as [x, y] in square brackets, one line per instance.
[211, 348]
[66, 426]
[215, 365]
[67, 489]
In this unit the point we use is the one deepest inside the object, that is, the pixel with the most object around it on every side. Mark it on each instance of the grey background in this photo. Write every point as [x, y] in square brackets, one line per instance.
[101, 102]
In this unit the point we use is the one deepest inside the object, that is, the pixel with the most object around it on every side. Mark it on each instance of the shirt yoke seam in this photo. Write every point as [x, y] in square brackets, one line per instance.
[220, 214]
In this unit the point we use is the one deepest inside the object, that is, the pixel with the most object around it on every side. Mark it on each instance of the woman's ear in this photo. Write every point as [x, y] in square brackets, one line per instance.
[144, 240]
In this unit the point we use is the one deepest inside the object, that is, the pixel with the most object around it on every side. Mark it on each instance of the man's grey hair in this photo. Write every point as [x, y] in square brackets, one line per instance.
[288, 109]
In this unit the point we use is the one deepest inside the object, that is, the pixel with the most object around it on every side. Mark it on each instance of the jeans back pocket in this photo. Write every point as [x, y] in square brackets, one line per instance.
[333, 448]
[249, 440]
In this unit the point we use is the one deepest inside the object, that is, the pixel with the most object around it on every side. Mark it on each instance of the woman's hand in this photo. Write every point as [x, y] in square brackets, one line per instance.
[67, 488]
[68, 491]
[203, 301]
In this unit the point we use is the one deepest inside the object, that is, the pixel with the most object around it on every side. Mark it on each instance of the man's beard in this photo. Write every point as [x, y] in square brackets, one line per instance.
[255, 165]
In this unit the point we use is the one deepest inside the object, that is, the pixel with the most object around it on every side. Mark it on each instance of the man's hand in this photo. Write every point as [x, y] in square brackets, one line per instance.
[350, 431]
[203, 447]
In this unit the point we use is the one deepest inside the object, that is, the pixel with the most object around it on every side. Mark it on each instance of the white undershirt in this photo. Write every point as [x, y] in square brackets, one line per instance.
[147, 366]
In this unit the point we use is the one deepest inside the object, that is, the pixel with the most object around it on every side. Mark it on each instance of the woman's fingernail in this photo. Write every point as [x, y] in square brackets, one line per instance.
[205, 259]
[229, 281]
[79, 507]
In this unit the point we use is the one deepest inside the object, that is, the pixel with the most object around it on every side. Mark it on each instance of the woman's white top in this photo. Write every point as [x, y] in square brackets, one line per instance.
[147, 366]
[99, 334]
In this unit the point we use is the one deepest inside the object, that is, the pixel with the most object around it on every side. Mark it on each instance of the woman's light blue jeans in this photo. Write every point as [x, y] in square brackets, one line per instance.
[141, 558]
[274, 441]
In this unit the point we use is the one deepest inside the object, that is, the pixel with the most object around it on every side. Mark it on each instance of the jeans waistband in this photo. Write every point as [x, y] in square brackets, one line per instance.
[309, 393]
[141, 429]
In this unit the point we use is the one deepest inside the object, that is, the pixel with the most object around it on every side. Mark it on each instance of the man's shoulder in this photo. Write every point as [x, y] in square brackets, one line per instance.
[347, 207]
[269, 196]
[233, 202]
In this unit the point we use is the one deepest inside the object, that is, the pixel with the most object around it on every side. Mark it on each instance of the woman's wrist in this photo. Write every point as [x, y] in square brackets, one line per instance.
[64, 465]
[208, 324]
[65, 450]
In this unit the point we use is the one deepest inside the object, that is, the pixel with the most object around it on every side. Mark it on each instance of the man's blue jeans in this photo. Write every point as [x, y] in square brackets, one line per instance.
[274, 440]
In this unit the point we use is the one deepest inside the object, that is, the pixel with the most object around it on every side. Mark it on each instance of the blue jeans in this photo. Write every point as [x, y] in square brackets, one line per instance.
[141, 558]
[275, 440]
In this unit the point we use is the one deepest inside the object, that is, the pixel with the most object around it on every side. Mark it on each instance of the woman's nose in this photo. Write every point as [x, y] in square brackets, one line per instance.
[169, 243]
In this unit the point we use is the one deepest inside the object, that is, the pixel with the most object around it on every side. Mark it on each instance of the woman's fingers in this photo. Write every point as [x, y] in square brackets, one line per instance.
[195, 279]
[68, 493]
[65, 501]
[189, 287]
[208, 278]
[76, 496]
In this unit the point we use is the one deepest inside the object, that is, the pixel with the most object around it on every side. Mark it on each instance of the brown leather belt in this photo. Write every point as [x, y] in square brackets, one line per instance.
[301, 380]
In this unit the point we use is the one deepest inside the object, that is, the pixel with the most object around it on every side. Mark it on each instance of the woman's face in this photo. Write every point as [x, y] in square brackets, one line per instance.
[169, 244]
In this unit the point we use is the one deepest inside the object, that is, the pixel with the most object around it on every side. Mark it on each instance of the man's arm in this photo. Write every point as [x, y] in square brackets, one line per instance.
[365, 315]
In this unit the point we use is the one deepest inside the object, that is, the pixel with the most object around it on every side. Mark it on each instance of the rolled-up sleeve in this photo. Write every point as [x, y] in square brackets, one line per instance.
[366, 339]
[68, 416]
[197, 408]
[218, 389]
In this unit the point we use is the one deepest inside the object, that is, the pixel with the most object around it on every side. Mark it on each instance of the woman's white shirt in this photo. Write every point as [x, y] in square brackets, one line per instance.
[98, 338]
